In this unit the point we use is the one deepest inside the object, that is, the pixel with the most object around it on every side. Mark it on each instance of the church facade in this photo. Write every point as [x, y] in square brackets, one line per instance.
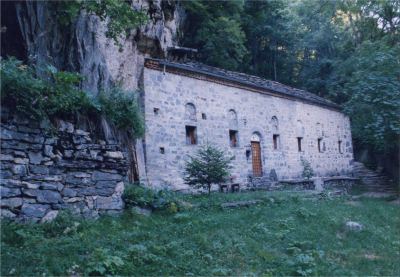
[268, 128]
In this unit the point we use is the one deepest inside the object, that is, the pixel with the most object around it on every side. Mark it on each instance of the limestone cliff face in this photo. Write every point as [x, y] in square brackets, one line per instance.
[83, 47]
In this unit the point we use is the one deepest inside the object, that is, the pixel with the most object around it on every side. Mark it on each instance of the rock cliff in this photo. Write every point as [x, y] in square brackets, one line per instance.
[83, 46]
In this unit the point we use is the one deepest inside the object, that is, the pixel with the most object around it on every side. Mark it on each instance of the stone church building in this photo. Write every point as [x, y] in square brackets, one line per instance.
[266, 126]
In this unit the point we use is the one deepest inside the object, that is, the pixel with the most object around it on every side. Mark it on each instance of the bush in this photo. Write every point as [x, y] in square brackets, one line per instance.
[209, 166]
[41, 98]
[121, 108]
[308, 172]
[137, 195]
[58, 95]
[64, 224]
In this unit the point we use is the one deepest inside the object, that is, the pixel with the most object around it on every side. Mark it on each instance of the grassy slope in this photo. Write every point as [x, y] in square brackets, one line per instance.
[285, 235]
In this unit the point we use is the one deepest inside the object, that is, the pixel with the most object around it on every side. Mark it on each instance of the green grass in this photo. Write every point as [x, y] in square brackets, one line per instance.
[287, 234]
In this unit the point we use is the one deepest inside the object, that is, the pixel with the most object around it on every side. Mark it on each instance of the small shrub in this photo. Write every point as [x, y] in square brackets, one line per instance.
[308, 172]
[209, 166]
[172, 208]
[64, 224]
[104, 263]
[137, 195]
[121, 108]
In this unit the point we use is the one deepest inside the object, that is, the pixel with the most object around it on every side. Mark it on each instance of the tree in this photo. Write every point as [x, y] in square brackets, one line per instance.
[209, 166]
[370, 81]
[214, 28]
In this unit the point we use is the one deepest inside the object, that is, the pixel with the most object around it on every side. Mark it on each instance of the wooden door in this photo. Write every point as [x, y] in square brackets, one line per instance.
[256, 158]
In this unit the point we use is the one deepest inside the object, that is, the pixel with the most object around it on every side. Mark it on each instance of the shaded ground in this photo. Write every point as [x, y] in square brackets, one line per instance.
[284, 234]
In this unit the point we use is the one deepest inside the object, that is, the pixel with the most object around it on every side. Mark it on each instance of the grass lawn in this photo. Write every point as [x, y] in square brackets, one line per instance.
[286, 234]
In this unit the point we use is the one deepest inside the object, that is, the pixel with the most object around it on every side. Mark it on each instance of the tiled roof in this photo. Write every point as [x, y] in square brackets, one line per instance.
[244, 80]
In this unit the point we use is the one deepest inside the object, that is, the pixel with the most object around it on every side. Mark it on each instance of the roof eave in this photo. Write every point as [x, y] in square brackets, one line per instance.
[249, 84]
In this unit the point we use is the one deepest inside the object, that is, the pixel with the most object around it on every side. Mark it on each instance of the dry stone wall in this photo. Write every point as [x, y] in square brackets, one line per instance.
[45, 171]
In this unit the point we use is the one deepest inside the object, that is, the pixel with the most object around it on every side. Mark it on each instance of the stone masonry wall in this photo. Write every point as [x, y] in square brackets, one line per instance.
[166, 150]
[43, 172]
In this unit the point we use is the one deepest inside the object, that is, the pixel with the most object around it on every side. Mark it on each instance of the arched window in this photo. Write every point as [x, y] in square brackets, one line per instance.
[275, 133]
[190, 112]
[233, 120]
[275, 125]
[319, 129]
[299, 129]
[255, 137]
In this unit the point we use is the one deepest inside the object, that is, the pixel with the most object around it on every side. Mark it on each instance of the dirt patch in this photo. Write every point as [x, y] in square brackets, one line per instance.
[353, 203]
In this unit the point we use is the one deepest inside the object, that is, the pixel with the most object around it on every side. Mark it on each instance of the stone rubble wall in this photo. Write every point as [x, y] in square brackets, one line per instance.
[44, 171]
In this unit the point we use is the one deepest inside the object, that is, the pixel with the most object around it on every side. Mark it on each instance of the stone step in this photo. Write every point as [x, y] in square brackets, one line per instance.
[372, 180]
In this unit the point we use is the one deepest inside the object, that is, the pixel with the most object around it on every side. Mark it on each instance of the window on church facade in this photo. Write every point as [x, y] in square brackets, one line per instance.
[320, 147]
[299, 146]
[233, 138]
[275, 139]
[190, 112]
[340, 146]
[233, 120]
[191, 135]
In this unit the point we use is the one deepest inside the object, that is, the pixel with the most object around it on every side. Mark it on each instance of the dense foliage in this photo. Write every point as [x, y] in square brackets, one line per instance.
[347, 51]
[38, 98]
[121, 108]
[209, 166]
[121, 17]
[58, 95]
[269, 239]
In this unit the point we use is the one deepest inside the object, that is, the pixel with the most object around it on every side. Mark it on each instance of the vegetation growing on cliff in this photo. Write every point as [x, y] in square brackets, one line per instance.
[120, 16]
[58, 96]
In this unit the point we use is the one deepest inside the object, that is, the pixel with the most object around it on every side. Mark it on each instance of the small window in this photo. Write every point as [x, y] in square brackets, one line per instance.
[233, 138]
[320, 145]
[340, 146]
[191, 136]
[203, 116]
[275, 138]
[299, 144]
[162, 150]
[156, 111]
